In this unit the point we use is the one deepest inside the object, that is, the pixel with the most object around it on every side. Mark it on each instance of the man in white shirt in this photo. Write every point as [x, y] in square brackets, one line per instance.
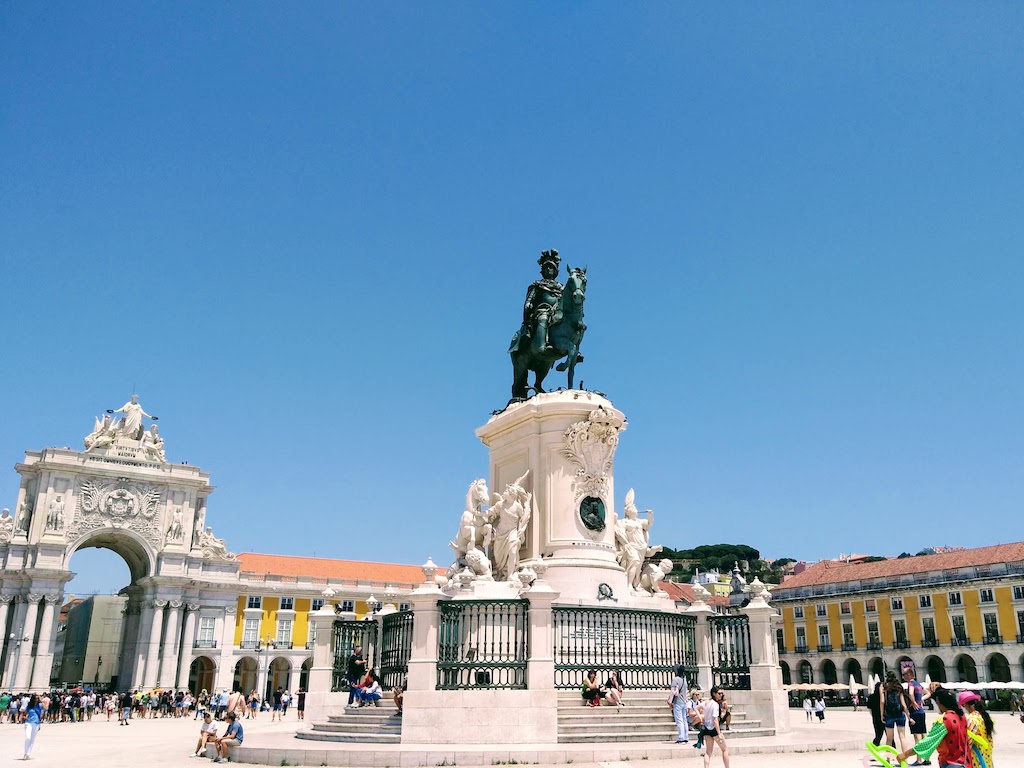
[207, 731]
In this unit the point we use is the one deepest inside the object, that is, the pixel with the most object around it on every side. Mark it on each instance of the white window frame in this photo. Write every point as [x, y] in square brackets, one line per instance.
[871, 605]
[991, 593]
[254, 601]
[348, 606]
[924, 601]
[798, 612]
[290, 606]
[207, 623]
[251, 632]
[896, 603]
[955, 598]
[283, 636]
[317, 604]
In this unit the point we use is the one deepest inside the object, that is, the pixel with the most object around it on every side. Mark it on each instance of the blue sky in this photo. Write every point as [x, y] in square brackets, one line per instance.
[303, 234]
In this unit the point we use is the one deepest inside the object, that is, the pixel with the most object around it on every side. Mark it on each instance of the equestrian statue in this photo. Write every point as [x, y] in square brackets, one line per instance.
[552, 327]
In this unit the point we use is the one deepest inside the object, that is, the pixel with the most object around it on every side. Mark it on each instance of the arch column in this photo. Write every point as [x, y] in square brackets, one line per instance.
[145, 626]
[17, 629]
[187, 640]
[24, 667]
[169, 660]
[129, 638]
[156, 634]
[44, 650]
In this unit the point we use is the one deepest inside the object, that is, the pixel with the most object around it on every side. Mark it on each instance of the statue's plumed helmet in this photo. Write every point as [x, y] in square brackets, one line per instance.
[549, 257]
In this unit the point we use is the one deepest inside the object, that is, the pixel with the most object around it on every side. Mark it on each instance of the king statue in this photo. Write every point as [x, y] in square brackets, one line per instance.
[552, 326]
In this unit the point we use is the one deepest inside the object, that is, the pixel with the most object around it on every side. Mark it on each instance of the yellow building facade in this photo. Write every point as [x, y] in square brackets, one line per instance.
[956, 616]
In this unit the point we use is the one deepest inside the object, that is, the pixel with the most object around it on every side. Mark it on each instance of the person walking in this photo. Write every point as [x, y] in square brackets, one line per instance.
[677, 701]
[915, 698]
[895, 710]
[819, 709]
[874, 701]
[979, 722]
[809, 708]
[33, 721]
[712, 728]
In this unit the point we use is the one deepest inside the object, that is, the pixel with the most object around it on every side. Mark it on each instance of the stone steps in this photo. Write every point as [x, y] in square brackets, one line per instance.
[364, 725]
[645, 717]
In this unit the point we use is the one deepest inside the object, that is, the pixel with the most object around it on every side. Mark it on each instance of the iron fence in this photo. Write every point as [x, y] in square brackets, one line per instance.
[643, 647]
[482, 644]
[395, 646]
[730, 651]
[345, 636]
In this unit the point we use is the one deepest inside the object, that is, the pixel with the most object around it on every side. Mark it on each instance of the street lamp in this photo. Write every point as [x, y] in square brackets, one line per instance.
[263, 646]
[372, 603]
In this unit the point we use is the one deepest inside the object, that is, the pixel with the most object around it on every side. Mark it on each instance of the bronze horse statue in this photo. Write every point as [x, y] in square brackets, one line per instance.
[565, 332]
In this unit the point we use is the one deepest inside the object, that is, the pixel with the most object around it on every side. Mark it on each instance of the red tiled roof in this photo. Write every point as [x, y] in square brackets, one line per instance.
[322, 568]
[685, 593]
[832, 572]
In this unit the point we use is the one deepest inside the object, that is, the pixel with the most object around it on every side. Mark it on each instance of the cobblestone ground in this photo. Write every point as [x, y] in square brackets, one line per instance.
[158, 743]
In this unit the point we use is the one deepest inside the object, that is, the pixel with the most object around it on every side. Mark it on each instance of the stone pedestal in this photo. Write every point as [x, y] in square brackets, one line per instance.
[768, 701]
[567, 441]
[320, 701]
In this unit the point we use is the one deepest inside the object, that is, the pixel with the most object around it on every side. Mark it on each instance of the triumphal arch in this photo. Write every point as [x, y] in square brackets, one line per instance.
[118, 493]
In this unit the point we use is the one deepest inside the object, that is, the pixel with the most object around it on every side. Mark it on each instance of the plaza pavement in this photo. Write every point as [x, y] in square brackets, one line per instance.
[159, 743]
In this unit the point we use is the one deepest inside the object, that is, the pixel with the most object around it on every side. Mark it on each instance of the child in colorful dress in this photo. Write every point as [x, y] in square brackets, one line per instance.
[979, 722]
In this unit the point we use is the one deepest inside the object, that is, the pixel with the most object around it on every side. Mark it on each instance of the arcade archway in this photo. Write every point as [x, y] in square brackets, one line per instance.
[201, 675]
[998, 668]
[277, 675]
[935, 668]
[852, 669]
[245, 677]
[966, 670]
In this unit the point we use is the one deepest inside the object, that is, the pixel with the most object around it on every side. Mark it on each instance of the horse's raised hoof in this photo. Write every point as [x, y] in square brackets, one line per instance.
[561, 366]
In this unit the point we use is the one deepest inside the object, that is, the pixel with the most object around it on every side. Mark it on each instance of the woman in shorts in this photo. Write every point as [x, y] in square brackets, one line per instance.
[711, 729]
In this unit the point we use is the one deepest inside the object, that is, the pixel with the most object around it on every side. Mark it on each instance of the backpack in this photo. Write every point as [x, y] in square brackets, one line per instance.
[893, 706]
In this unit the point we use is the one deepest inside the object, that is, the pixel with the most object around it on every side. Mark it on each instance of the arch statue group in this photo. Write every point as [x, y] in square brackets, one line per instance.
[118, 493]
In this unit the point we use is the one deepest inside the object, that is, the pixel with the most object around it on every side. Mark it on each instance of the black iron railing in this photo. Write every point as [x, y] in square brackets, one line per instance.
[849, 645]
[993, 640]
[395, 646]
[824, 647]
[930, 642]
[730, 651]
[874, 645]
[482, 644]
[204, 644]
[643, 647]
[900, 644]
[345, 636]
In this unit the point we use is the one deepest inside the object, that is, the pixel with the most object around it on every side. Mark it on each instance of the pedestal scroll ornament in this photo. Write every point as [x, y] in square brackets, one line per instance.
[590, 445]
[6, 526]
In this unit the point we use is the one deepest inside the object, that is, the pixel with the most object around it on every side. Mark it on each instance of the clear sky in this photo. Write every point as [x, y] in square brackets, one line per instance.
[303, 233]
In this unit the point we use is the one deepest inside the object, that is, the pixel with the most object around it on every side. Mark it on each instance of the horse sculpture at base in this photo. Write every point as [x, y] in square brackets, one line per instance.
[552, 328]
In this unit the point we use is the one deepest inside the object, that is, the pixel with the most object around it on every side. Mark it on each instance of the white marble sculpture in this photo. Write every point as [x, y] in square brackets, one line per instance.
[104, 434]
[55, 514]
[131, 425]
[197, 524]
[6, 526]
[473, 521]
[653, 575]
[176, 530]
[478, 564]
[213, 547]
[153, 445]
[508, 516]
[24, 520]
[632, 544]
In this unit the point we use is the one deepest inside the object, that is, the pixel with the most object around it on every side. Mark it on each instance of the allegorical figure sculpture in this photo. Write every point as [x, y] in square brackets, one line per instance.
[104, 434]
[632, 543]
[509, 515]
[197, 524]
[24, 520]
[653, 575]
[153, 445]
[552, 327]
[131, 425]
[176, 530]
[55, 514]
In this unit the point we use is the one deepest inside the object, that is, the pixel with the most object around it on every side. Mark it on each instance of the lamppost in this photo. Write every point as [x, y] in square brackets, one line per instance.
[16, 641]
[372, 603]
[96, 678]
[263, 648]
